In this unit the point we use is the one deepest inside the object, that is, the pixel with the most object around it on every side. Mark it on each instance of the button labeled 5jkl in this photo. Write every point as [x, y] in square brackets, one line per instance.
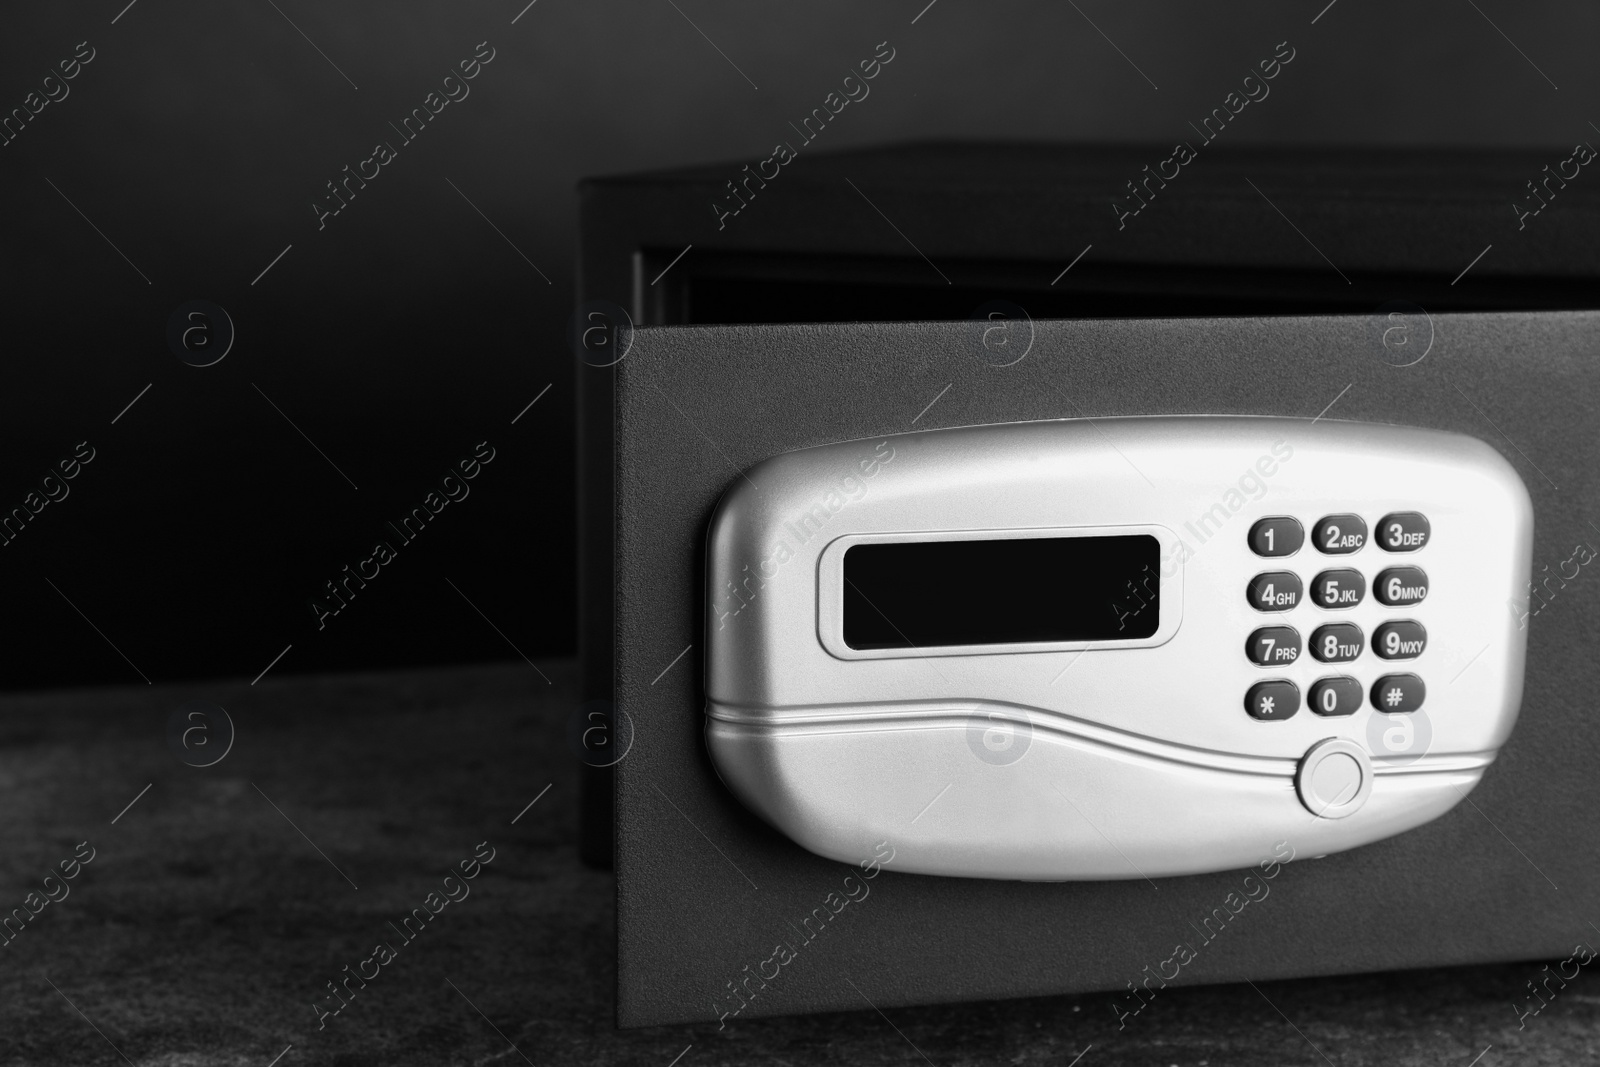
[1338, 589]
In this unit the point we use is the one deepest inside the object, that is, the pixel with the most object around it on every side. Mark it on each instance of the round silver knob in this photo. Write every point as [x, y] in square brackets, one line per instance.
[1335, 778]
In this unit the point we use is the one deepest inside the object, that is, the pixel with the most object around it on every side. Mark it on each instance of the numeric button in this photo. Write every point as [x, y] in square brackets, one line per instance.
[1401, 585]
[1273, 646]
[1398, 692]
[1336, 696]
[1404, 639]
[1403, 531]
[1338, 642]
[1275, 591]
[1339, 535]
[1273, 700]
[1338, 588]
[1277, 535]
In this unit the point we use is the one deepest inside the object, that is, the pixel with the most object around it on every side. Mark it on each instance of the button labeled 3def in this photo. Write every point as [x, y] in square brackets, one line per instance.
[1403, 531]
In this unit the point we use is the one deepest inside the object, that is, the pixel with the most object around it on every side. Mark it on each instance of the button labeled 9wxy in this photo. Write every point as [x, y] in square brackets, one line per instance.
[1404, 639]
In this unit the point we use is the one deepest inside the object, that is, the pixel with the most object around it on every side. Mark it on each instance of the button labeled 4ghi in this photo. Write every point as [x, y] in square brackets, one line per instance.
[1338, 589]
[1338, 642]
[1273, 646]
[1404, 639]
[1275, 591]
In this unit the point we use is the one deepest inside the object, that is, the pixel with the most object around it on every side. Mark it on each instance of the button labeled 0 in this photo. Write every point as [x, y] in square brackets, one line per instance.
[1401, 585]
[1336, 696]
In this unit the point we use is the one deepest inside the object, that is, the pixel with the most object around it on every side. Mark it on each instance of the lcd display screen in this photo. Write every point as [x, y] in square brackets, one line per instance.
[921, 594]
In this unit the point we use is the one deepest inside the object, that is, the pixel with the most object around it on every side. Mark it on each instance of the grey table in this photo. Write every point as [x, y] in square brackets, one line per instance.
[219, 905]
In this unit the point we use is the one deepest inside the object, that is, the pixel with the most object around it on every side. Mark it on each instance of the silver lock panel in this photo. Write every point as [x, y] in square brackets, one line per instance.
[1115, 648]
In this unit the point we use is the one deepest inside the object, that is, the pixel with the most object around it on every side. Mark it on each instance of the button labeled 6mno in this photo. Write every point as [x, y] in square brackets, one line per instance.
[1401, 585]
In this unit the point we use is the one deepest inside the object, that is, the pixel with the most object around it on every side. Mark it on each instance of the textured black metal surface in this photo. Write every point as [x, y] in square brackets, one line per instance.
[705, 889]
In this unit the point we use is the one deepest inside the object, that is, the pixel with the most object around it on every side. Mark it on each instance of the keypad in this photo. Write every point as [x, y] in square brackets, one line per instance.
[1334, 589]
[1273, 646]
[1339, 535]
[1273, 700]
[1277, 535]
[1342, 588]
[1338, 642]
[1336, 696]
[1275, 591]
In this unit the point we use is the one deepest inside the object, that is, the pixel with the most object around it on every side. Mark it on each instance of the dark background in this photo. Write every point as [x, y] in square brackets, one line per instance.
[409, 329]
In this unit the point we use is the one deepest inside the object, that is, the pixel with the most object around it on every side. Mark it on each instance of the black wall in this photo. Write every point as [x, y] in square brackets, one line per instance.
[189, 152]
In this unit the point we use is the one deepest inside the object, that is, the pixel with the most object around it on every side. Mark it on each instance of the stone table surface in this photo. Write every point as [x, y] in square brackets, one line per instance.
[220, 904]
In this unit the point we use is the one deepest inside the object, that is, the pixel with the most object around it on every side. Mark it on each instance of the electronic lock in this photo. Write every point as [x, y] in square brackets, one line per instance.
[1115, 648]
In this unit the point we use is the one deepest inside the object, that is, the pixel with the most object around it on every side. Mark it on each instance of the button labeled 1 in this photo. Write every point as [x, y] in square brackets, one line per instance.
[1338, 589]
[1279, 535]
[1273, 646]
